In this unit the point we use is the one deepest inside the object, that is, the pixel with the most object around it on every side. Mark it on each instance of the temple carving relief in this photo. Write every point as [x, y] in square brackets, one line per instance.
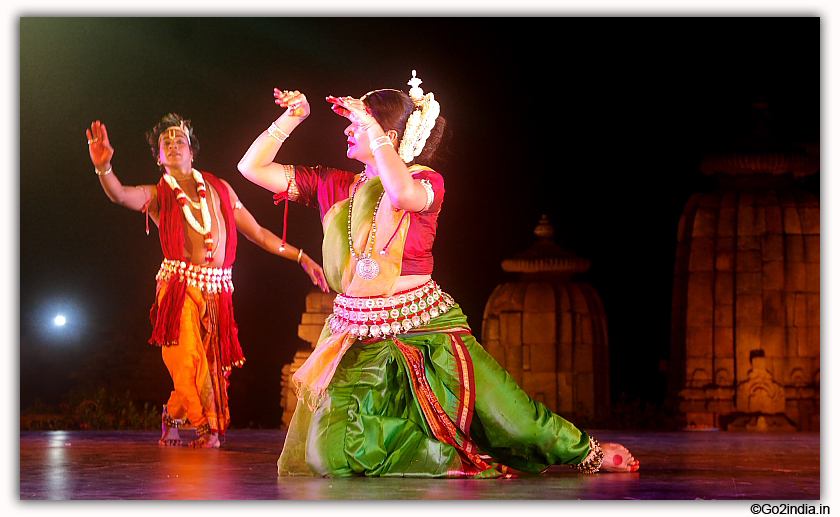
[745, 342]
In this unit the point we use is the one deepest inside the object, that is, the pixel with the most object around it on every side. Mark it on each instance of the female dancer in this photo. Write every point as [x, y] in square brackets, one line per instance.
[397, 384]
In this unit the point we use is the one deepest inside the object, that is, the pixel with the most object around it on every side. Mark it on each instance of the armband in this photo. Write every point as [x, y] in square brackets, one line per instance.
[430, 193]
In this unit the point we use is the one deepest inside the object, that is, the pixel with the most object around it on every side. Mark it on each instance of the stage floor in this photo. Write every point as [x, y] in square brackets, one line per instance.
[112, 465]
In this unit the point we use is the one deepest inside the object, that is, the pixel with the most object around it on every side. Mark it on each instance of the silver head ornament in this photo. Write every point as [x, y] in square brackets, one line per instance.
[416, 93]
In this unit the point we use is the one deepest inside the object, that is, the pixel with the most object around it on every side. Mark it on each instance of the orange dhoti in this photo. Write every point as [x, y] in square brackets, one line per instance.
[200, 395]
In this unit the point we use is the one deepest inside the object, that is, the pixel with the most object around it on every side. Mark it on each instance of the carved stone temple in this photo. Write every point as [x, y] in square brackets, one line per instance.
[319, 305]
[549, 331]
[745, 345]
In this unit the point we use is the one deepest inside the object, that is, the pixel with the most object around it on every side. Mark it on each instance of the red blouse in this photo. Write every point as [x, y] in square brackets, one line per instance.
[322, 187]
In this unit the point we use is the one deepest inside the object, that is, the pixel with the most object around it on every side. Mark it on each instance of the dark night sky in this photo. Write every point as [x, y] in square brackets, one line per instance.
[600, 123]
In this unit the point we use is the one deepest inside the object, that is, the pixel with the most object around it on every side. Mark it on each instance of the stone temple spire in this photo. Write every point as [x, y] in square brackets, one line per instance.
[549, 331]
[545, 257]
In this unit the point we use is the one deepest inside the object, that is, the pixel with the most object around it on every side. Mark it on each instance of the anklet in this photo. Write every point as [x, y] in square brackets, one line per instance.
[203, 429]
[169, 421]
[592, 463]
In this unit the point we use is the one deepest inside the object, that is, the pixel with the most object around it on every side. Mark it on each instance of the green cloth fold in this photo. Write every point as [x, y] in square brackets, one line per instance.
[371, 421]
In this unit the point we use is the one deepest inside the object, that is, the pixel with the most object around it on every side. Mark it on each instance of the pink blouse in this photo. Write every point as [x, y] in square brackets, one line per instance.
[322, 187]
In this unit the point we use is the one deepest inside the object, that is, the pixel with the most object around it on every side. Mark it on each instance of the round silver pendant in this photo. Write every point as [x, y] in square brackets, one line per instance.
[367, 268]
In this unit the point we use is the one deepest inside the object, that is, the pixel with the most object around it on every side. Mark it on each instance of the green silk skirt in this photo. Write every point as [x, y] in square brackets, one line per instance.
[430, 403]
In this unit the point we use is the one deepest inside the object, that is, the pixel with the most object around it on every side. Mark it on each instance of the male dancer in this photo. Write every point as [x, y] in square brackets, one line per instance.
[197, 216]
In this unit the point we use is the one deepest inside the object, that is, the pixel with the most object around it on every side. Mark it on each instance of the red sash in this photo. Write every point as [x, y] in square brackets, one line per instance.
[166, 315]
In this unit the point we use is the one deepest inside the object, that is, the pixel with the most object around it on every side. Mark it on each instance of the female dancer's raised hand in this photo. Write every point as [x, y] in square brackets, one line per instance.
[352, 109]
[99, 146]
[295, 101]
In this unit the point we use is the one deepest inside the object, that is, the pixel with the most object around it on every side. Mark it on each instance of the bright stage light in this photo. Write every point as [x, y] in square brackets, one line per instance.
[60, 320]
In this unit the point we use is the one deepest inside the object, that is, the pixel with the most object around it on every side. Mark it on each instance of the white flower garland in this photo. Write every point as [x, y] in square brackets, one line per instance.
[206, 222]
[419, 127]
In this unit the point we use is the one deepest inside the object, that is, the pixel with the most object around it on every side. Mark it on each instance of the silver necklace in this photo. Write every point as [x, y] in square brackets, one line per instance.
[366, 267]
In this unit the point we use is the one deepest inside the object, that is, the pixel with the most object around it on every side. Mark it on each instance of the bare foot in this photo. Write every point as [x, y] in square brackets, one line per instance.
[170, 436]
[206, 441]
[618, 459]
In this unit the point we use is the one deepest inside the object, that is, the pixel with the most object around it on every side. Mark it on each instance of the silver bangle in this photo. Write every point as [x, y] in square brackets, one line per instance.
[277, 133]
[103, 173]
[381, 145]
[379, 142]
